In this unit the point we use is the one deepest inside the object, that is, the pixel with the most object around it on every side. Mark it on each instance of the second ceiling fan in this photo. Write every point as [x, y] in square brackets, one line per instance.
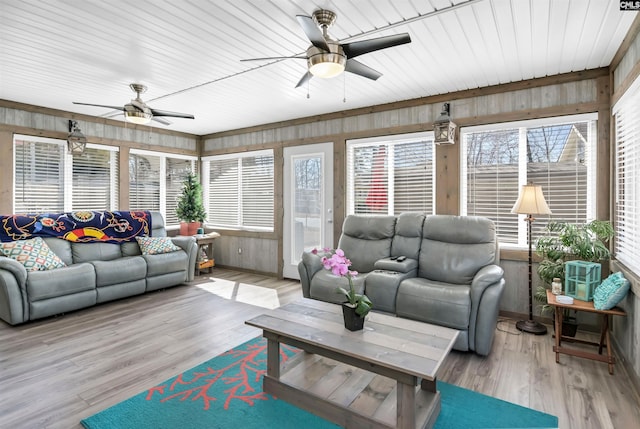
[327, 58]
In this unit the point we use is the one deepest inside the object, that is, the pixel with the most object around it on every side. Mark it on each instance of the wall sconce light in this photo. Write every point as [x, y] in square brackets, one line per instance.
[444, 128]
[76, 141]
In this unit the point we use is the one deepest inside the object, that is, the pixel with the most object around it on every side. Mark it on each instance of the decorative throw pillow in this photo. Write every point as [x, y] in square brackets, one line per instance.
[156, 245]
[610, 292]
[34, 254]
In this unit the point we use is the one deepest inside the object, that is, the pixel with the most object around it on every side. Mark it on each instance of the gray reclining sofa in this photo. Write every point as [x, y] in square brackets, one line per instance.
[450, 276]
[95, 273]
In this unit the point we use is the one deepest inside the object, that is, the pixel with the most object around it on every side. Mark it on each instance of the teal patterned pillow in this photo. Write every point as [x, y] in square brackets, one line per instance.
[610, 292]
[34, 254]
[156, 245]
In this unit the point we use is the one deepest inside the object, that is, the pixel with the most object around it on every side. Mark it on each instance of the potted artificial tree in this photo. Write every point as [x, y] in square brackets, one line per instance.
[566, 241]
[190, 209]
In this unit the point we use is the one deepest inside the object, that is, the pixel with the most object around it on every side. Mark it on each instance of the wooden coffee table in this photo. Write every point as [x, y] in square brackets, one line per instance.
[381, 377]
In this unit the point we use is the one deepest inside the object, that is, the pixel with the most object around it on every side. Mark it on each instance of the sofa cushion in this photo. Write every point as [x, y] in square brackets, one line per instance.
[366, 239]
[121, 270]
[156, 245]
[454, 248]
[61, 281]
[324, 286]
[130, 248]
[34, 254]
[60, 247]
[434, 302]
[408, 236]
[89, 252]
[166, 263]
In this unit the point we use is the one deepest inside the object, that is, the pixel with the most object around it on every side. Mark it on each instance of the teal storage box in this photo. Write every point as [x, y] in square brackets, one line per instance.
[581, 279]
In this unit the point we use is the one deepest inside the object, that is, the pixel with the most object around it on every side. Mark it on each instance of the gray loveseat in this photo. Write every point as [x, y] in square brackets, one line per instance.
[95, 273]
[450, 276]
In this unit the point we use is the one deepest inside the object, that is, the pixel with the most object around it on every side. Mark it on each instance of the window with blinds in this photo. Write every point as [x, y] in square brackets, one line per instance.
[627, 178]
[155, 181]
[94, 180]
[558, 154]
[176, 172]
[390, 176]
[39, 175]
[144, 181]
[48, 179]
[239, 190]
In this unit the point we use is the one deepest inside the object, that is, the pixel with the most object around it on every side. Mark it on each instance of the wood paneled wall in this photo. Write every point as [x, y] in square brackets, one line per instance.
[566, 94]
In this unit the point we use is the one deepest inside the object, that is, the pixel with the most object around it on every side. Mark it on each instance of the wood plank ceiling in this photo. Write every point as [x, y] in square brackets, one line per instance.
[188, 53]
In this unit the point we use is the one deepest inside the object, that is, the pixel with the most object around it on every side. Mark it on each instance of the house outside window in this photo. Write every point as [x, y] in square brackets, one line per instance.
[239, 190]
[390, 175]
[627, 178]
[155, 181]
[555, 153]
[49, 179]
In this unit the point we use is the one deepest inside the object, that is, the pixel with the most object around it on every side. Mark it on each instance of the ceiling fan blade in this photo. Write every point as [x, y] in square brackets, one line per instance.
[358, 68]
[306, 78]
[161, 120]
[354, 49]
[101, 105]
[273, 58]
[313, 32]
[156, 112]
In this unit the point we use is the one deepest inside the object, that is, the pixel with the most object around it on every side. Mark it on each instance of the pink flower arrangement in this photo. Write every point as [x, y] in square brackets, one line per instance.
[339, 265]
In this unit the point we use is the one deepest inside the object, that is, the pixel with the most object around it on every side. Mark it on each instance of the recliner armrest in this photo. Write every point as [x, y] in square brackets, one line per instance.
[16, 268]
[389, 264]
[485, 277]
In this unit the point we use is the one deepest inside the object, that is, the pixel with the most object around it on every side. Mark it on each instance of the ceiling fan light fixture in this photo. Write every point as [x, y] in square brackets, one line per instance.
[327, 65]
[138, 117]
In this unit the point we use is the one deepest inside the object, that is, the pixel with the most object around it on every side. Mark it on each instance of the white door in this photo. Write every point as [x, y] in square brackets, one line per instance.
[308, 202]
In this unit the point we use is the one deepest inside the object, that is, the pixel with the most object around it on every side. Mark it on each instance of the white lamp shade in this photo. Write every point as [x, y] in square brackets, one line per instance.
[531, 201]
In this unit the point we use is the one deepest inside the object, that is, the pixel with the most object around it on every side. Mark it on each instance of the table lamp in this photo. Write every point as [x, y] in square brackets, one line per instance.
[531, 202]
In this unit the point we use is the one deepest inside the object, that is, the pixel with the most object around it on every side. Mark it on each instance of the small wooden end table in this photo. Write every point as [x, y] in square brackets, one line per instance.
[205, 244]
[604, 333]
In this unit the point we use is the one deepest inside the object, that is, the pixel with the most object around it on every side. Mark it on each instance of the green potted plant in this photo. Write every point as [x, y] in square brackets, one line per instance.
[190, 209]
[568, 241]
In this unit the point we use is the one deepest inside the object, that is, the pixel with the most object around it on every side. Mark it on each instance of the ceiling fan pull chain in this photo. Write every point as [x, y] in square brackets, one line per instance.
[308, 95]
[344, 87]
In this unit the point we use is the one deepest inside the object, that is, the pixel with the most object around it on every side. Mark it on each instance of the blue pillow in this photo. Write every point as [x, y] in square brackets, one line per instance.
[610, 292]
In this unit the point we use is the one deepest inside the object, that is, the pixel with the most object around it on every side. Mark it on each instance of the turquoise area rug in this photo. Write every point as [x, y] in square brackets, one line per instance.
[226, 392]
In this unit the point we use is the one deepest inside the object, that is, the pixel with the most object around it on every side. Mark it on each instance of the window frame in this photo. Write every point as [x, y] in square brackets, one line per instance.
[67, 170]
[389, 141]
[237, 156]
[626, 249]
[523, 126]
[162, 177]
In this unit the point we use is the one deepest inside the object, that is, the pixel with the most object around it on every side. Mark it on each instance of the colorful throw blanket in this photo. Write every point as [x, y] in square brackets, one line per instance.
[81, 226]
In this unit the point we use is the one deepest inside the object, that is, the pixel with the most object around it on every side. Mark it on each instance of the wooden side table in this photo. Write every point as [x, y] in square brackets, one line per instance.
[205, 245]
[604, 333]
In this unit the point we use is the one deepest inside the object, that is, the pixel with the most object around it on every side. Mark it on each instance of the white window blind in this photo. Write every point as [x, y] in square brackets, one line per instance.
[390, 176]
[144, 181]
[627, 176]
[155, 181]
[48, 179]
[240, 190]
[176, 172]
[556, 153]
[94, 184]
[39, 175]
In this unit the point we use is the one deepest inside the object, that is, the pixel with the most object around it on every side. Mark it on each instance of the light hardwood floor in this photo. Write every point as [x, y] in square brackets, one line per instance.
[59, 370]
